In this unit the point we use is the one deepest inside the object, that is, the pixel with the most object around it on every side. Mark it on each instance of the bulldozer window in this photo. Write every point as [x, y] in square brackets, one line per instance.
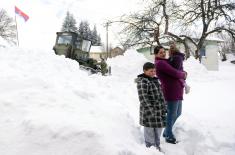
[64, 39]
[86, 45]
[78, 44]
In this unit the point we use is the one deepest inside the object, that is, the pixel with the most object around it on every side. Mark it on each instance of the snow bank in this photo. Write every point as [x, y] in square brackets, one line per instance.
[206, 125]
[49, 106]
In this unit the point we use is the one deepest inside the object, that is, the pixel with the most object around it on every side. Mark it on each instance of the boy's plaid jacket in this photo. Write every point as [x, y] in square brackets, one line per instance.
[152, 103]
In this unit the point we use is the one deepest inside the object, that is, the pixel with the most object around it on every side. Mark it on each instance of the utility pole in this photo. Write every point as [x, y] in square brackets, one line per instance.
[107, 38]
[17, 36]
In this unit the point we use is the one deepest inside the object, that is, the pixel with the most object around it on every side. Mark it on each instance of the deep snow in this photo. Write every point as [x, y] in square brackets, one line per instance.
[49, 106]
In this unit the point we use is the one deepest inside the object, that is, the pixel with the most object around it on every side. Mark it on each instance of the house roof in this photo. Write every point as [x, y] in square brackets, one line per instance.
[211, 38]
[119, 48]
[96, 49]
[214, 39]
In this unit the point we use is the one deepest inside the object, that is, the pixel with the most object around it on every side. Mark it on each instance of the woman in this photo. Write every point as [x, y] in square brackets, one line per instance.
[172, 89]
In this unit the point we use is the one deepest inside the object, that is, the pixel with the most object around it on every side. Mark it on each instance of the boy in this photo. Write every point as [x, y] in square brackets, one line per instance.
[152, 105]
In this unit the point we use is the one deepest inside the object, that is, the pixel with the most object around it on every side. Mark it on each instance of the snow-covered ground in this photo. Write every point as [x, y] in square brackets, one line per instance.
[48, 106]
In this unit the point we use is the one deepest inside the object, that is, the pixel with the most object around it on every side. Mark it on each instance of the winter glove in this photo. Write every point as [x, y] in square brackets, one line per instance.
[187, 88]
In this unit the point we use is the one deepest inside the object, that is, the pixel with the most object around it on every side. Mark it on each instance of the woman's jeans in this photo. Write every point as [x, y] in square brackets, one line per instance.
[174, 109]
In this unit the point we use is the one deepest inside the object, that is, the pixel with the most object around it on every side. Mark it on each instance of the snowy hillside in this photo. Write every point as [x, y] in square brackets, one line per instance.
[50, 107]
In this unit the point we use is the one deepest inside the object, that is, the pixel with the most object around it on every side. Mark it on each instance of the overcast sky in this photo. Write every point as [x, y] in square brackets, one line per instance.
[46, 17]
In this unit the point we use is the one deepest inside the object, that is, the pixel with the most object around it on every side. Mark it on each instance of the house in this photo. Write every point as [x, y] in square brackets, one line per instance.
[147, 51]
[98, 52]
[116, 51]
[210, 53]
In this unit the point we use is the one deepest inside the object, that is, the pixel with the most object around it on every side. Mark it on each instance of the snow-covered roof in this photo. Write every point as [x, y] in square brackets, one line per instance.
[214, 39]
[96, 49]
[119, 46]
[211, 38]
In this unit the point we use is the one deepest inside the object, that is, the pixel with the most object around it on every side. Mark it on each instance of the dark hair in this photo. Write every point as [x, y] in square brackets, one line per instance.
[148, 65]
[157, 49]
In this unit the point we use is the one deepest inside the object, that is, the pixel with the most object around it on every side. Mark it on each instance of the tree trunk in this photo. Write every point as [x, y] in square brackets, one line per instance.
[166, 17]
[156, 36]
[187, 53]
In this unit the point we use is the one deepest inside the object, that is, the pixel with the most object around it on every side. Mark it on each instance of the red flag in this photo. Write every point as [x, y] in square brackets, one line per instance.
[21, 13]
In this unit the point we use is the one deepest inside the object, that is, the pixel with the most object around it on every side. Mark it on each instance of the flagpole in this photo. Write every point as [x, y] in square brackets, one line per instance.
[17, 32]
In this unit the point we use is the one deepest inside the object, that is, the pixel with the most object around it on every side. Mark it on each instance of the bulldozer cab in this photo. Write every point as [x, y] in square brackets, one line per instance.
[72, 46]
[76, 48]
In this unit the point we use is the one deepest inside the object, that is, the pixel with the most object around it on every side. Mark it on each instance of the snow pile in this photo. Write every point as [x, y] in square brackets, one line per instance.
[206, 126]
[49, 106]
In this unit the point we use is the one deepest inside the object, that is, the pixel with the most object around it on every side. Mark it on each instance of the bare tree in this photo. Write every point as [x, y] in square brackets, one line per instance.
[7, 27]
[184, 22]
[151, 24]
[138, 28]
[228, 42]
[209, 16]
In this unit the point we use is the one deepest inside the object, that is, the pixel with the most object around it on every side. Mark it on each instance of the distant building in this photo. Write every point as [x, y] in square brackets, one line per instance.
[116, 51]
[209, 54]
[147, 51]
[98, 52]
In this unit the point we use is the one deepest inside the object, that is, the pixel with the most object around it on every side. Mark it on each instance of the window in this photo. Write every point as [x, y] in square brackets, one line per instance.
[78, 44]
[86, 45]
[64, 39]
[203, 51]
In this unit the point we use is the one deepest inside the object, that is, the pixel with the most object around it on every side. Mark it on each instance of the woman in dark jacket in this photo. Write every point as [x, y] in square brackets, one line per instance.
[171, 82]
